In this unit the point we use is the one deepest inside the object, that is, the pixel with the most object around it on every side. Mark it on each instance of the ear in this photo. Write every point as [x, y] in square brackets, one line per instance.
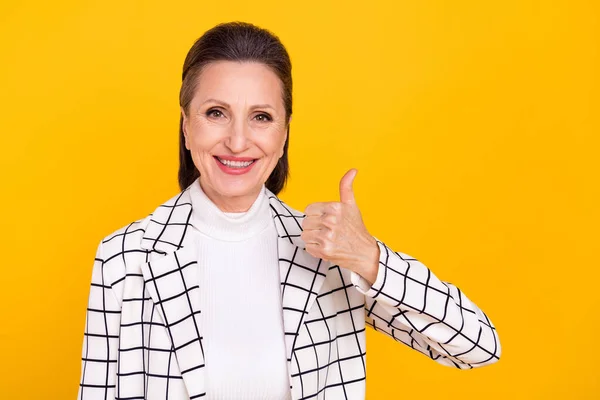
[287, 132]
[281, 149]
[183, 127]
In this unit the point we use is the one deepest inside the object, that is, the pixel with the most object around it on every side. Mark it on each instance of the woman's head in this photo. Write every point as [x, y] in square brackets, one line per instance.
[236, 104]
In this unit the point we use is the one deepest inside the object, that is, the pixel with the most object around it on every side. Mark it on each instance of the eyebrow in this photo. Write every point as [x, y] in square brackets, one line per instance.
[227, 105]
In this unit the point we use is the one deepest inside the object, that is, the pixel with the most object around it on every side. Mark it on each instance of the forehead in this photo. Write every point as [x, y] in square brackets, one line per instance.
[233, 82]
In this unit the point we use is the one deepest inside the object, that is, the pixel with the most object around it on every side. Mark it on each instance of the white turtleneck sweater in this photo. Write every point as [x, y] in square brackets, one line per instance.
[240, 300]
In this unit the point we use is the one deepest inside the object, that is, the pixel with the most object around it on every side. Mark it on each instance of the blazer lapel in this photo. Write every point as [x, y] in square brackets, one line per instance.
[171, 278]
[302, 275]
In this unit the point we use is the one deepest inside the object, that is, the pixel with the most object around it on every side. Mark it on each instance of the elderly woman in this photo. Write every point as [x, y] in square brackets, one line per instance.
[226, 292]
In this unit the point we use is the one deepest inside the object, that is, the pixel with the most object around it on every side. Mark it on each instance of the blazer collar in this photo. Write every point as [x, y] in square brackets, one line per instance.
[171, 279]
[170, 222]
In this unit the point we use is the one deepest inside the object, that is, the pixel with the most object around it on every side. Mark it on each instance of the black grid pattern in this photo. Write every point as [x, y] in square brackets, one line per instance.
[143, 339]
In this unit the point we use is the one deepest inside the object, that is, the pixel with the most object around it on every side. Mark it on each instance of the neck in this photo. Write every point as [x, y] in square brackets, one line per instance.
[228, 226]
[230, 204]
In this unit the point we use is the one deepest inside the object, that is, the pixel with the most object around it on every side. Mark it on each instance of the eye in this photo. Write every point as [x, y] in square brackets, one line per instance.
[264, 117]
[213, 112]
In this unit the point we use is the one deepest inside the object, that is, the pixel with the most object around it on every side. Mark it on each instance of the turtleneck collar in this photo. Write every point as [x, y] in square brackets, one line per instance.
[210, 220]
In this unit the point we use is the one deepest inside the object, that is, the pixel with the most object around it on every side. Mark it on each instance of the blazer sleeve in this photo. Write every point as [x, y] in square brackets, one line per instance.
[410, 304]
[101, 336]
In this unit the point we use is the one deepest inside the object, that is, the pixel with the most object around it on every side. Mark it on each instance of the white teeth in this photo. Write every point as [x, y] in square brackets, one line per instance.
[235, 164]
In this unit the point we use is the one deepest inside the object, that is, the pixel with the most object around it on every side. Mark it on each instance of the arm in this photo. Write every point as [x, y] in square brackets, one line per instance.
[101, 337]
[410, 304]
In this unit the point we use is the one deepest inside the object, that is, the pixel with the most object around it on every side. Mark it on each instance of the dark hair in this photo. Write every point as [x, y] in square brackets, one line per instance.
[235, 41]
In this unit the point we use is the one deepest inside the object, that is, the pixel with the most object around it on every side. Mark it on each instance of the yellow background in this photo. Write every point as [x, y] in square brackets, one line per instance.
[474, 126]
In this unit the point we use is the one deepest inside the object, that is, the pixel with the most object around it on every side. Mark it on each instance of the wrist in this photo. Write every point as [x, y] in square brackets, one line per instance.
[371, 264]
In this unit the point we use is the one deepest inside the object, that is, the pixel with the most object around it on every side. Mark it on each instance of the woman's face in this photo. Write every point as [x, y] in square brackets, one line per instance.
[235, 131]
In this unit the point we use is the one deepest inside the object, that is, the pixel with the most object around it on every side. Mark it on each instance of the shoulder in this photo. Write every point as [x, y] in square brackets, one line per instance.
[127, 237]
[281, 207]
[125, 245]
[283, 211]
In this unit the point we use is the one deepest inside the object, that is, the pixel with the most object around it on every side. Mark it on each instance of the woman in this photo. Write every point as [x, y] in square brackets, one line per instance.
[226, 292]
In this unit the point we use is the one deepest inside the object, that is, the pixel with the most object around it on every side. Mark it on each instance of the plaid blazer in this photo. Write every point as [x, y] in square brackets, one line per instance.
[143, 339]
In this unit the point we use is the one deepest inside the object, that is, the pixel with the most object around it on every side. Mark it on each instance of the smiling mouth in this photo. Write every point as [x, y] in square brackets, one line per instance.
[235, 164]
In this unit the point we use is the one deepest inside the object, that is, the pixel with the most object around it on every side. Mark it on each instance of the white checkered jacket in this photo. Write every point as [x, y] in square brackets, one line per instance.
[143, 339]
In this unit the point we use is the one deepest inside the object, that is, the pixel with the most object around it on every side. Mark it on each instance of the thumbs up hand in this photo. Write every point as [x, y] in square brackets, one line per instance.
[335, 231]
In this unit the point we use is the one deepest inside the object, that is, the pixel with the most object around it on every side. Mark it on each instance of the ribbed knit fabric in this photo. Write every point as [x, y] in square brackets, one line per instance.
[240, 300]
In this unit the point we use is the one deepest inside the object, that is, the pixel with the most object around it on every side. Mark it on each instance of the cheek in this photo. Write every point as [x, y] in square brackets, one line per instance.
[203, 137]
[271, 142]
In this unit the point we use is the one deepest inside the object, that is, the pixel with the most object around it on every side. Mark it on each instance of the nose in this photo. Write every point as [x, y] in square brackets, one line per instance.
[237, 140]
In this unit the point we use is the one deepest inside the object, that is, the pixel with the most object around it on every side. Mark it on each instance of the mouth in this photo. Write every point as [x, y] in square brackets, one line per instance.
[235, 163]
[237, 166]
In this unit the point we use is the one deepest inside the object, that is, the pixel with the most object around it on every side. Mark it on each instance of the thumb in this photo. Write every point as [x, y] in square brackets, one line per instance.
[346, 192]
